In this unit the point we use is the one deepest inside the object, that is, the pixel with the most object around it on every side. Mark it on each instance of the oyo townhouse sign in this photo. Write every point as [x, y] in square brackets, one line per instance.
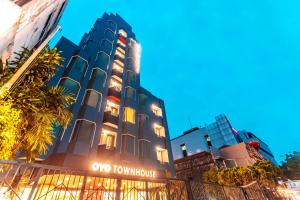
[122, 170]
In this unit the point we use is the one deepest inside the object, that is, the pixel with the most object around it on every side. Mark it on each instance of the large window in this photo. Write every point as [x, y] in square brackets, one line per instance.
[108, 138]
[159, 130]
[77, 68]
[109, 35]
[102, 60]
[129, 115]
[70, 86]
[106, 46]
[98, 79]
[92, 98]
[128, 144]
[130, 93]
[162, 155]
[144, 148]
[143, 99]
[83, 133]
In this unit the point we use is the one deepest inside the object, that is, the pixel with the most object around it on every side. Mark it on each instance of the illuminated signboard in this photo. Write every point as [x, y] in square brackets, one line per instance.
[123, 170]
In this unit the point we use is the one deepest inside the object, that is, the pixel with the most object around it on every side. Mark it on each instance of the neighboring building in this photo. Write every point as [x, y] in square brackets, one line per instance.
[263, 149]
[26, 23]
[193, 166]
[115, 120]
[212, 137]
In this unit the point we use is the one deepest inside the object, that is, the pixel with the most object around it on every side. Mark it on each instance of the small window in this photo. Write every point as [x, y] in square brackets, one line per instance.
[92, 98]
[102, 60]
[144, 149]
[128, 144]
[70, 86]
[106, 46]
[183, 150]
[76, 68]
[108, 138]
[129, 115]
[159, 130]
[109, 35]
[83, 133]
[162, 155]
[130, 93]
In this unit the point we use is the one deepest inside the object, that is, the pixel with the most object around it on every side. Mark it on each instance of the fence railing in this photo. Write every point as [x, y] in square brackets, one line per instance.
[35, 181]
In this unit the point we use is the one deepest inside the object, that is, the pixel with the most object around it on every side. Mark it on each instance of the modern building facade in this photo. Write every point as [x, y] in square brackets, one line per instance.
[213, 137]
[115, 120]
[26, 23]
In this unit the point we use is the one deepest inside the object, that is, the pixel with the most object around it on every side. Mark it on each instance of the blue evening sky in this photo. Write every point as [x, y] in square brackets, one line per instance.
[206, 57]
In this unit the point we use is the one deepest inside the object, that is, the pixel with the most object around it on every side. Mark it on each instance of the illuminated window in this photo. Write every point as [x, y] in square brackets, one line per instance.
[108, 138]
[120, 53]
[183, 150]
[118, 67]
[123, 33]
[156, 110]
[128, 144]
[116, 85]
[162, 155]
[129, 115]
[112, 107]
[144, 148]
[159, 130]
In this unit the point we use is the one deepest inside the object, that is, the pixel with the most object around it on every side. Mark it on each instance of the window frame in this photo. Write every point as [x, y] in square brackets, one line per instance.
[99, 103]
[66, 77]
[130, 135]
[96, 59]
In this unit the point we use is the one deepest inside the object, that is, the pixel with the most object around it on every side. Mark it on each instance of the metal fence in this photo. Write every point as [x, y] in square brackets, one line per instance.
[205, 191]
[36, 181]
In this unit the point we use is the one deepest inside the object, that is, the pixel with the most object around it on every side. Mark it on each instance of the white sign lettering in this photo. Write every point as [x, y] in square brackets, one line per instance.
[123, 170]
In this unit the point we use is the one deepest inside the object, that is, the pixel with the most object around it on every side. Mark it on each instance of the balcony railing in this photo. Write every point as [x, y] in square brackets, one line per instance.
[119, 58]
[121, 47]
[117, 74]
[122, 39]
[114, 94]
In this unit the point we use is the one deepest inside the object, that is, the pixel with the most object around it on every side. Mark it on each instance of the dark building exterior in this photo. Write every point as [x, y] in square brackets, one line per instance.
[115, 120]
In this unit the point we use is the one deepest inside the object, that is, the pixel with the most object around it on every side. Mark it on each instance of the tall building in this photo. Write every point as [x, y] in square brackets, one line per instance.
[26, 23]
[115, 120]
[214, 138]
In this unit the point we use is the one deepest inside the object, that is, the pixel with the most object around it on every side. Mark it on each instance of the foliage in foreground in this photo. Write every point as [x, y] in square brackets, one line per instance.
[32, 108]
[291, 166]
[263, 172]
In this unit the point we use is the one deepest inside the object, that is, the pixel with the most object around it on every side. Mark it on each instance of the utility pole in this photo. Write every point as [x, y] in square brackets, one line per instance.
[13, 81]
